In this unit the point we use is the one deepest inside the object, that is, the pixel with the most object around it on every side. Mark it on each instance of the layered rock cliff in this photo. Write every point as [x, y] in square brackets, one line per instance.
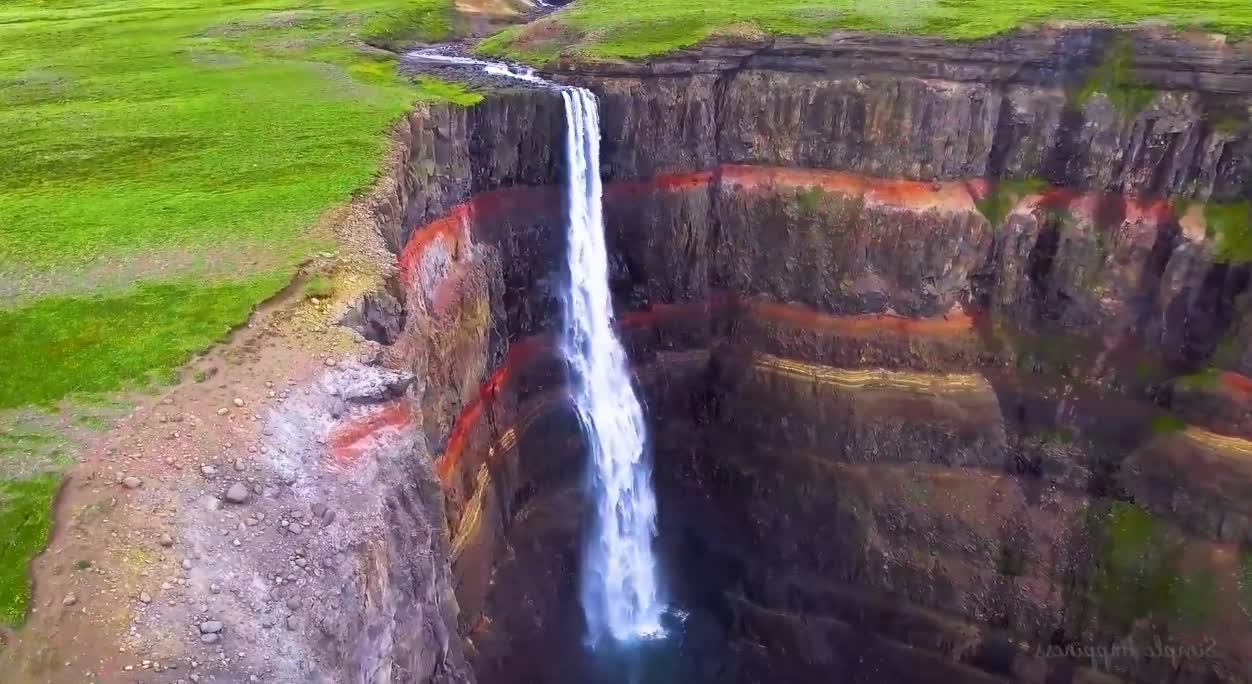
[944, 346]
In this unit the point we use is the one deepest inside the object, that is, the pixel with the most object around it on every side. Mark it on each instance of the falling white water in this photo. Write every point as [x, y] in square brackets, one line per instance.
[619, 591]
[619, 585]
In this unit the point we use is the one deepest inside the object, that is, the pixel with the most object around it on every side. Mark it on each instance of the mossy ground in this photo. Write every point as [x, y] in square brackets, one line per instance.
[26, 517]
[142, 129]
[612, 29]
[319, 286]
[63, 345]
[1139, 572]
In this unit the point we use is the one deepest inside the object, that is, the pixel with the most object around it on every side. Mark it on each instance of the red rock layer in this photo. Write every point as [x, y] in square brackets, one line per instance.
[350, 439]
[520, 353]
[452, 233]
[541, 347]
[951, 196]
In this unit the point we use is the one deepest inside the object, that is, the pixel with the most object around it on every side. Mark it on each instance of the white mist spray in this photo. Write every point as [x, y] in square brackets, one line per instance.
[619, 582]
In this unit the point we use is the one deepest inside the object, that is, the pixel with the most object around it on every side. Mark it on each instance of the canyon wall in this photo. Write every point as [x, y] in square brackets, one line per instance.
[945, 347]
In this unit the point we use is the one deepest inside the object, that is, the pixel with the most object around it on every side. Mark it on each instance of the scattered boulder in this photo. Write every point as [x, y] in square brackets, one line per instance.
[132, 482]
[238, 493]
[166, 540]
[212, 638]
[208, 470]
[69, 600]
[357, 384]
[210, 627]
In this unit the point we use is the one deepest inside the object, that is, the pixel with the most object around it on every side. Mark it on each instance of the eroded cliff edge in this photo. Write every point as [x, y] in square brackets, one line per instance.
[972, 315]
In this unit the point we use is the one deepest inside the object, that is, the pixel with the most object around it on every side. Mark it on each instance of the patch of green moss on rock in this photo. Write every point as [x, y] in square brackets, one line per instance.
[1112, 78]
[1003, 195]
[1047, 352]
[1168, 423]
[809, 199]
[1245, 579]
[1138, 573]
[1230, 226]
[1204, 379]
[1229, 123]
[1150, 370]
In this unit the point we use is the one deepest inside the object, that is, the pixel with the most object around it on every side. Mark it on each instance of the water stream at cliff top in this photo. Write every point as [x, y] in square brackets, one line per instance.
[618, 586]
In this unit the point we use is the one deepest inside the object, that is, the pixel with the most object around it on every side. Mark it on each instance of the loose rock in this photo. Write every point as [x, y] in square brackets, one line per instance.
[238, 493]
[210, 627]
[132, 482]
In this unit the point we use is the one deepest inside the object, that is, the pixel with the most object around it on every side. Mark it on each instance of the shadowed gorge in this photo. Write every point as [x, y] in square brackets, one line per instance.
[932, 354]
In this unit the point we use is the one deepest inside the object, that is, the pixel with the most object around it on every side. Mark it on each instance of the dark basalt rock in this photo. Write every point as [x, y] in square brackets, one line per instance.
[899, 436]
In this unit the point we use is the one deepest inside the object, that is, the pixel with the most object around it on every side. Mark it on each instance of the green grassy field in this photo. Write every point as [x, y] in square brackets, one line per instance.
[610, 28]
[162, 165]
[26, 516]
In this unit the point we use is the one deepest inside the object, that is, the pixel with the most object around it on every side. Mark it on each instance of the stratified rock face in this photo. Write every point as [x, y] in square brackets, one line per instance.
[945, 347]
[1100, 134]
[1051, 104]
[838, 243]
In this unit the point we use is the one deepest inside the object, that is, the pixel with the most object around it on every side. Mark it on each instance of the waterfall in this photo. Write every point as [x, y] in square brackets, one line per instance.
[618, 587]
[619, 581]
